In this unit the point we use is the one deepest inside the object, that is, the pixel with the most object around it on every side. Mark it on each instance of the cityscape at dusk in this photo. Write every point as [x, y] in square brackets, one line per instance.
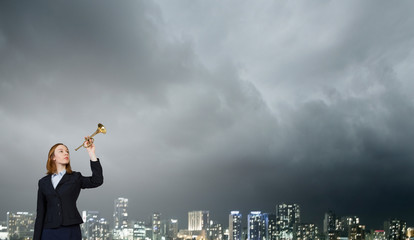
[215, 106]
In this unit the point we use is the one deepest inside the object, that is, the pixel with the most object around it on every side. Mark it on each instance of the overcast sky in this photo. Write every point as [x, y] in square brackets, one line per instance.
[213, 105]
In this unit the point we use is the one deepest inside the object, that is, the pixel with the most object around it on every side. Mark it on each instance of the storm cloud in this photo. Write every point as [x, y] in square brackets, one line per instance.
[218, 105]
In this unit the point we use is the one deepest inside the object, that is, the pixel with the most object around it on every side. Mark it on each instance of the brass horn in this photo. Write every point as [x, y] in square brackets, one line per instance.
[101, 129]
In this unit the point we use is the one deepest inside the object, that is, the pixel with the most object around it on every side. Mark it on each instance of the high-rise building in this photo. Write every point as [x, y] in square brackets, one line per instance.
[287, 215]
[235, 225]
[306, 232]
[356, 232]
[395, 229]
[215, 231]
[172, 229]
[198, 220]
[257, 225]
[156, 226]
[329, 226]
[20, 225]
[94, 227]
[120, 213]
[271, 231]
[345, 226]
[376, 235]
[139, 230]
[3, 230]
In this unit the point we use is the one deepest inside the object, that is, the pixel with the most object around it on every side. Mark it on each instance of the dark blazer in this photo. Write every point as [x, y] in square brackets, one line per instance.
[57, 207]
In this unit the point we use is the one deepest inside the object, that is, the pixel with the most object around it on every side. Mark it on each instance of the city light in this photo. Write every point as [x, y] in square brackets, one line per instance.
[283, 224]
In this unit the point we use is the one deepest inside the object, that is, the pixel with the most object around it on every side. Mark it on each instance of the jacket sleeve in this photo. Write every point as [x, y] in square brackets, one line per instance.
[40, 214]
[96, 179]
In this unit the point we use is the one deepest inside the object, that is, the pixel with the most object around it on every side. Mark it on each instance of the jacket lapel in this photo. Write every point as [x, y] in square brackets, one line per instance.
[64, 179]
[48, 182]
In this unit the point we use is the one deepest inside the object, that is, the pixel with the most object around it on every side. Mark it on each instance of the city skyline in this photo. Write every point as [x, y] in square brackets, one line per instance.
[284, 224]
[122, 216]
[216, 105]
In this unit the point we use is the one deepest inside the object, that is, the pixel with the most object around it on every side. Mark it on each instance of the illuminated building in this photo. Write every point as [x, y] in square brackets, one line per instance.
[172, 229]
[271, 231]
[139, 232]
[343, 226]
[215, 231]
[305, 232]
[235, 225]
[198, 220]
[356, 232]
[20, 225]
[329, 226]
[192, 235]
[121, 230]
[3, 230]
[257, 224]
[395, 229]
[121, 213]
[94, 227]
[156, 226]
[287, 215]
[376, 235]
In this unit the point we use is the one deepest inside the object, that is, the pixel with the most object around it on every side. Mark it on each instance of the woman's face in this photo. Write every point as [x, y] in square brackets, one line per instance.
[61, 155]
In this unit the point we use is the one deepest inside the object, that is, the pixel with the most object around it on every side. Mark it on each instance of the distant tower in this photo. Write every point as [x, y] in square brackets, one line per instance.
[379, 235]
[395, 229]
[257, 226]
[121, 213]
[215, 231]
[329, 228]
[287, 216]
[94, 227]
[21, 223]
[198, 220]
[156, 226]
[271, 231]
[172, 229]
[139, 230]
[235, 225]
[308, 231]
[346, 226]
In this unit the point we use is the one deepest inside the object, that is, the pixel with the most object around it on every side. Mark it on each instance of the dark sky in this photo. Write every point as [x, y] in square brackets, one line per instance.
[213, 105]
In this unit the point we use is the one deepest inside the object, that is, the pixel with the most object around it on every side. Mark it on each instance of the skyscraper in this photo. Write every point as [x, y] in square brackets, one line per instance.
[345, 226]
[287, 216]
[172, 229]
[215, 231]
[156, 226]
[94, 226]
[20, 224]
[257, 226]
[198, 220]
[329, 228]
[139, 230]
[235, 225]
[395, 229]
[306, 232]
[271, 230]
[356, 232]
[121, 213]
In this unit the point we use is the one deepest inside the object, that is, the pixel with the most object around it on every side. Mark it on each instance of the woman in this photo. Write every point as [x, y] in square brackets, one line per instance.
[57, 215]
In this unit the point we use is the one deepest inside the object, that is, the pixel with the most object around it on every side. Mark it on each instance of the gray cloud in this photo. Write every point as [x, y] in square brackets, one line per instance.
[216, 106]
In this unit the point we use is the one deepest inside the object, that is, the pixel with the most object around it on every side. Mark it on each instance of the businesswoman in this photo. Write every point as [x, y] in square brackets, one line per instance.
[57, 215]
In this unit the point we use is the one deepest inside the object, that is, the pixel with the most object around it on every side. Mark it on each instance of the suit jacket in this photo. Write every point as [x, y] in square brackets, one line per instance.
[57, 207]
